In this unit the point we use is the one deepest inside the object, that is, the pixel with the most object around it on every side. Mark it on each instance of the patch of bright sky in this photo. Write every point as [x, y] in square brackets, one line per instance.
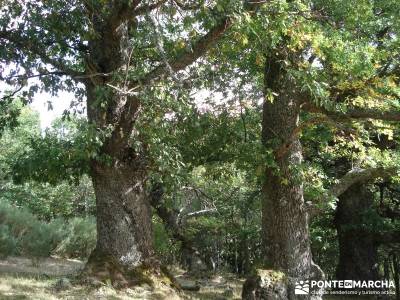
[59, 104]
[63, 100]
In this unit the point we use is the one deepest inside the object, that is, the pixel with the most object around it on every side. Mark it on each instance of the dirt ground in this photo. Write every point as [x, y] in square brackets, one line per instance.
[22, 278]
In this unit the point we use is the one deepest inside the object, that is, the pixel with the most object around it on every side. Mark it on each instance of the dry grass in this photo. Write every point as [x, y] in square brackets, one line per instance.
[39, 288]
[21, 278]
[218, 287]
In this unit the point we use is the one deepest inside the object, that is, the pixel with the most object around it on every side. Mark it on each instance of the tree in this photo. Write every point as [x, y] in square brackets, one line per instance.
[285, 216]
[310, 77]
[116, 56]
[358, 252]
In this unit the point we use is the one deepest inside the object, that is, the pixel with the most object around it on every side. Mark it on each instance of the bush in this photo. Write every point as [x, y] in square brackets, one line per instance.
[79, 239]
[8, 243]
[39, 241]
[21, 233]
[24, 234]
[166, 248]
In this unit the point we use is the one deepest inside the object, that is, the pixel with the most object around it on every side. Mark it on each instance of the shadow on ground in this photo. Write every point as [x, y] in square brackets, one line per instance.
[22, 278]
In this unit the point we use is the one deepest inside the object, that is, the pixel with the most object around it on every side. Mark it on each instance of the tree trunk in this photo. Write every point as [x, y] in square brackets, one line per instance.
[396, 277]
[124, 216]
[284, 216]
[286, 241]
[358, 252]
[124, 227]
[124, 251]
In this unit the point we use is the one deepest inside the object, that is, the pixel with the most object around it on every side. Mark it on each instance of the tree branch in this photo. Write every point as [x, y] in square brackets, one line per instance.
[186, 6]
[198, 48]
[15, 37]
[147, 8]
[190, 55]
[199, 213]
[358, 175]
[387, 212]
[356, 113]
[12, 94]
[282, 150]
[387, 237]
[352, 177]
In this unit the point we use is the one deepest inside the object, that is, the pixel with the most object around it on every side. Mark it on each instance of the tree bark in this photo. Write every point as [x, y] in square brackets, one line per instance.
[285, 219]
[124, 227]
[124, 250]
[284, 215]
[358, 251]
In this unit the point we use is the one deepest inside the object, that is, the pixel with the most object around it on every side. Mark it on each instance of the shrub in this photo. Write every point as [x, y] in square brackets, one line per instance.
[8, 243]
[166, 248]
[80, 238]
[18, 220]
[21, 233]
[38, 241]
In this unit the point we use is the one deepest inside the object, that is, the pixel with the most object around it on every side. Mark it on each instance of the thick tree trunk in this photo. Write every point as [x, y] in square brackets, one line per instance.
[124, 251]
[284, 216]
[123, 216]
[358, 256]
[124, 226]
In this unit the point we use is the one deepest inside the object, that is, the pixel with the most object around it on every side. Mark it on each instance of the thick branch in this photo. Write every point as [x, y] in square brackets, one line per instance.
[282, 150]
[190, 55]
[357, 113]
[359, 175]
[170, 218]
[352, 177]
[199, 47]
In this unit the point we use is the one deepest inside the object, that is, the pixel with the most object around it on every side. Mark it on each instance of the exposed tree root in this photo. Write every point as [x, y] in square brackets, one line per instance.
[105, 270]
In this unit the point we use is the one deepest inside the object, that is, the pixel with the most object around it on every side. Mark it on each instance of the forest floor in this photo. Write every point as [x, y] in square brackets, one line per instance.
[22, 278]
[48, 279]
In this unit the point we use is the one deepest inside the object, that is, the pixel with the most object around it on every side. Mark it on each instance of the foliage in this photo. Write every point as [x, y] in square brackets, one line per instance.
[23, 234]
[47, 199]
[8, 243]
[79, 238]
[166, 247]
[207, 152]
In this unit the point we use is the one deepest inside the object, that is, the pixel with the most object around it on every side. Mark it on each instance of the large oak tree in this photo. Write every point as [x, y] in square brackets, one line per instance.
[114, 55]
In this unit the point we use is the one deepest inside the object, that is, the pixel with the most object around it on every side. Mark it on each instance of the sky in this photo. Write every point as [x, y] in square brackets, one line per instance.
[63, 100]
[60, 103]
[40, 102]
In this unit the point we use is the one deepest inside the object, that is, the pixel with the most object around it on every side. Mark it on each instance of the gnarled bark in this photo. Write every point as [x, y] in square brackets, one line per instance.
[124, 227]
